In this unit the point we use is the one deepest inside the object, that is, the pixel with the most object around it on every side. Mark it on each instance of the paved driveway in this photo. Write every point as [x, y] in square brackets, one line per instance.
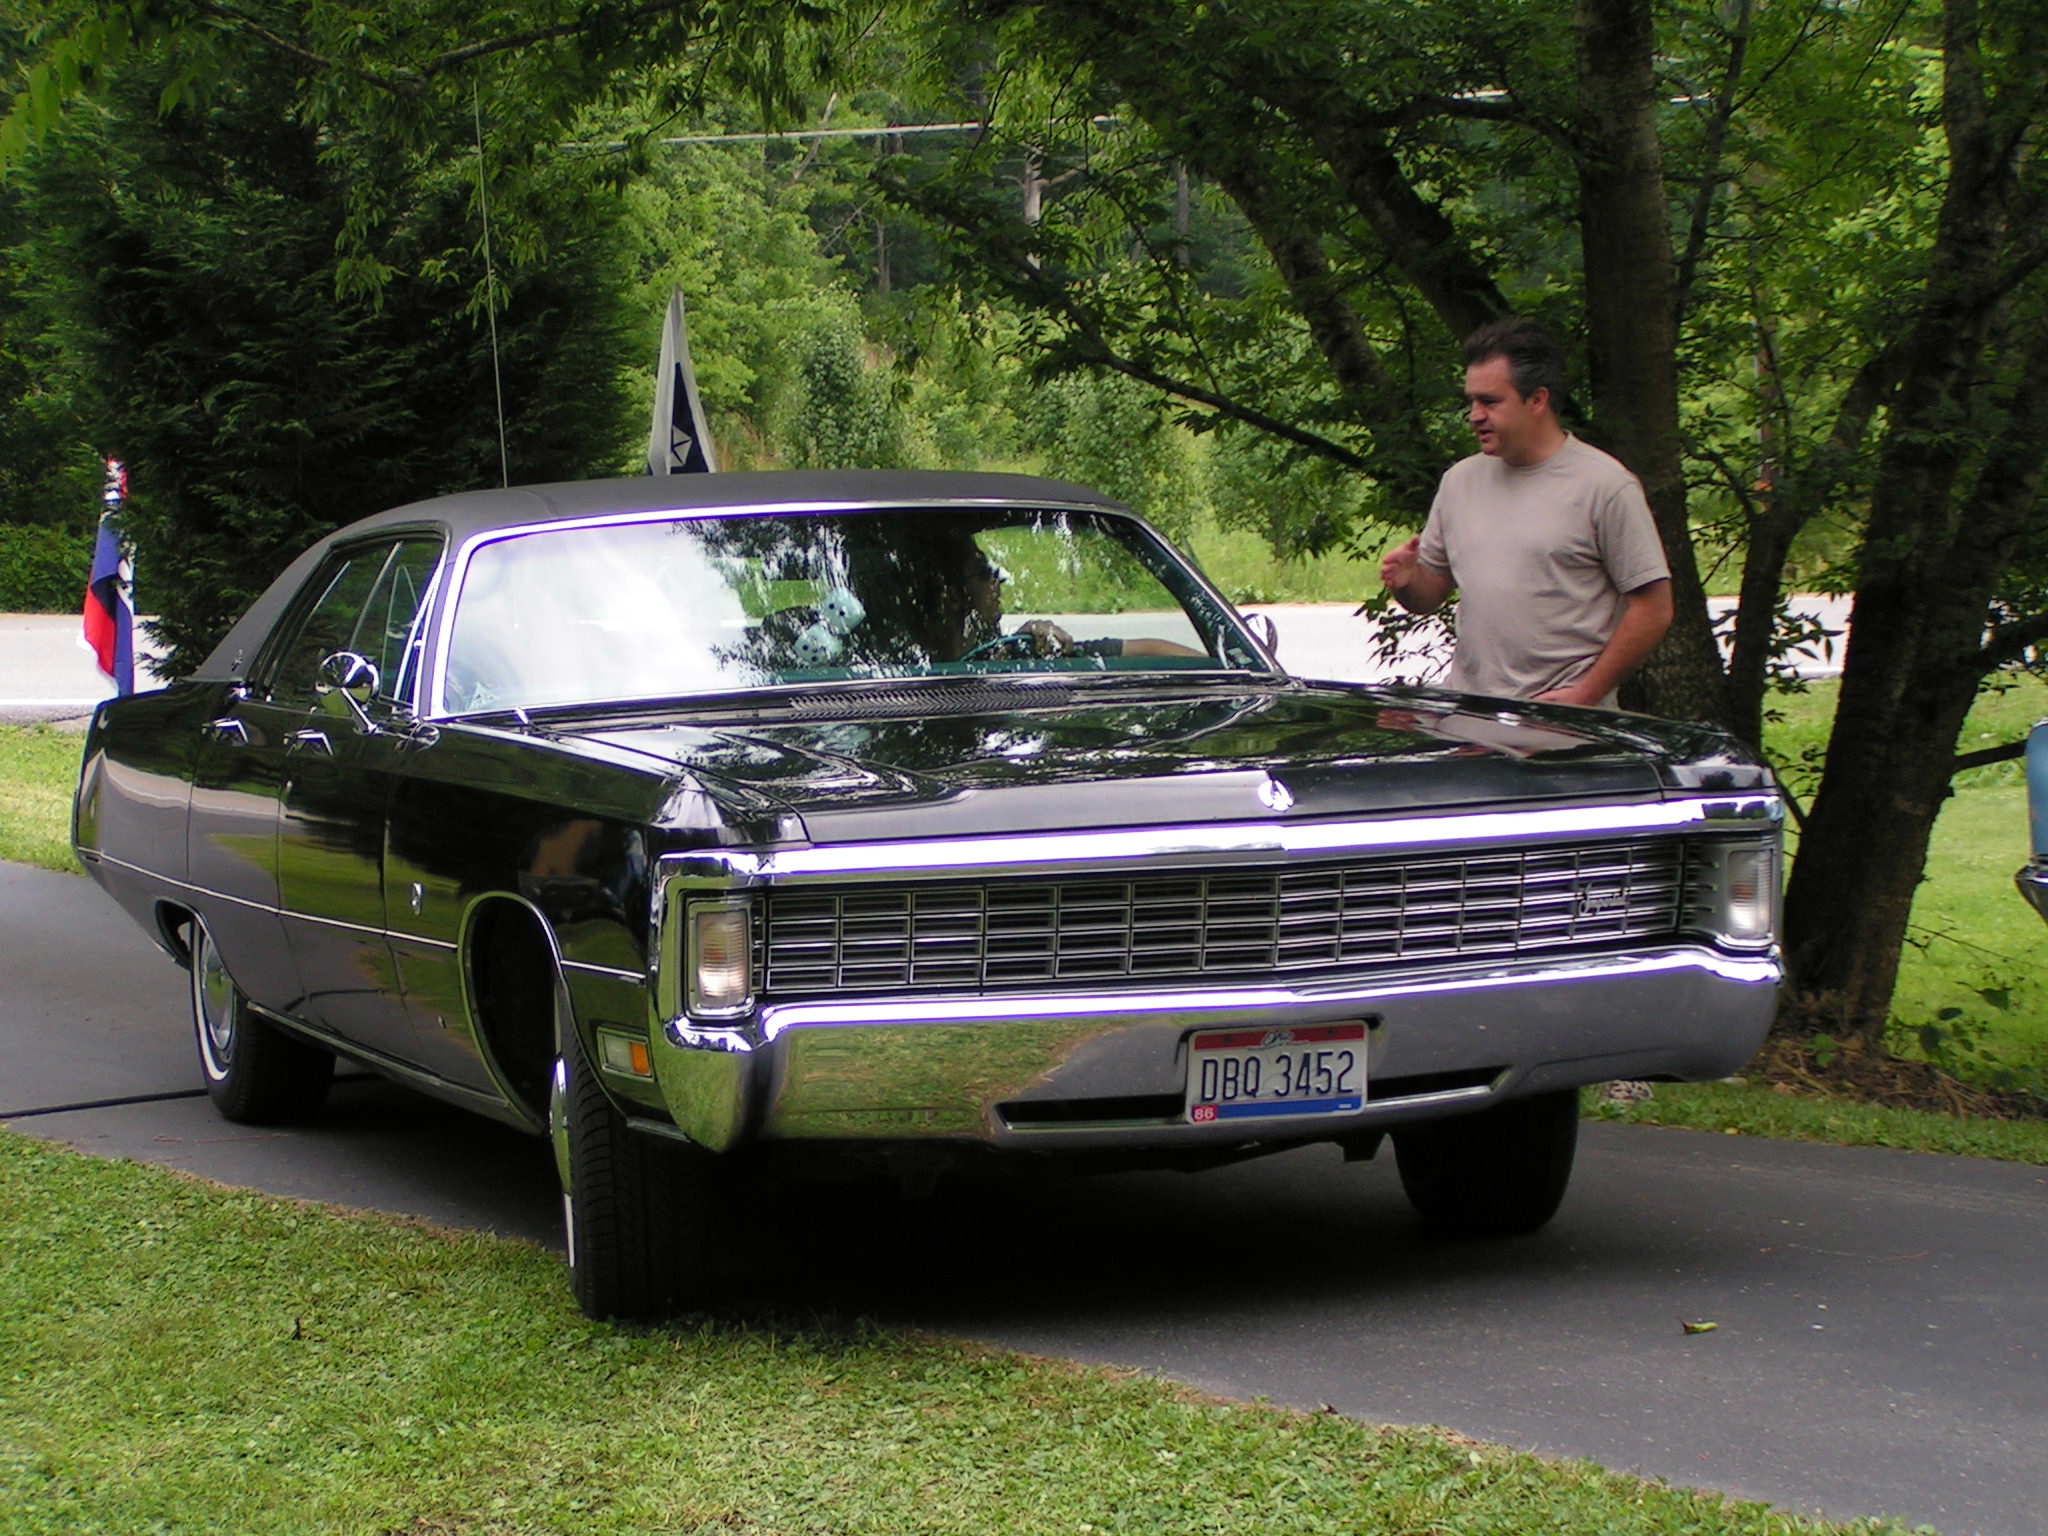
[1882, 1316]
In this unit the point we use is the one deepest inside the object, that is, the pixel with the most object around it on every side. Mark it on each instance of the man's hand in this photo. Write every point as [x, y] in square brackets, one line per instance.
[1645, 615]
[1046, 637]
[1417, 585]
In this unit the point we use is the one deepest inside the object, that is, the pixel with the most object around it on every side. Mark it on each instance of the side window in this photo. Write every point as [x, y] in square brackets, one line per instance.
[369, 600]
[392, 632]
[326, 625]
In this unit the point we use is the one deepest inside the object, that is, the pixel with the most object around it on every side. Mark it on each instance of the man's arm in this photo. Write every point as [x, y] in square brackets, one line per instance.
[1645, 615]
[1417, 585]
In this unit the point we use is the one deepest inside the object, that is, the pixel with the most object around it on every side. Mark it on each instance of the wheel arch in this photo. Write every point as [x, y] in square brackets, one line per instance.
[173, 934]
[517, 999]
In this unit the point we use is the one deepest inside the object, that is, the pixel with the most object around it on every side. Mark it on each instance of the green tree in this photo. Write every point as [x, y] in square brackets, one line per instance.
[256, 397]
[1837, 215]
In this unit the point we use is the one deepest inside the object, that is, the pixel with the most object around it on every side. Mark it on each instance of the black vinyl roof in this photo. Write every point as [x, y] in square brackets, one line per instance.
[467, 514]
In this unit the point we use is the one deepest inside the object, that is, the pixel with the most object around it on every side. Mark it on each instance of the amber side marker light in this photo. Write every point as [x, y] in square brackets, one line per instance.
[623, 1054]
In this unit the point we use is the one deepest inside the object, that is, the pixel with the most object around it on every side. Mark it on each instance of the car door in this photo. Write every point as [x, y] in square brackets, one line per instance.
[239, 777]
[347, 670]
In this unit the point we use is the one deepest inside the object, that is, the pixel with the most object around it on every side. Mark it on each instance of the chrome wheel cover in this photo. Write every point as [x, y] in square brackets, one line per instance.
[216, 1008]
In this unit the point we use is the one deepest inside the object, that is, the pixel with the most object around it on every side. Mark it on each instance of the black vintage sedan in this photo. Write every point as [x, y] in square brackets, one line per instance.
[722, 826]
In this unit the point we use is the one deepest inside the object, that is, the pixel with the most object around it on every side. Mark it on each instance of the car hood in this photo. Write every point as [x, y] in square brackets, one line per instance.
[934, 763]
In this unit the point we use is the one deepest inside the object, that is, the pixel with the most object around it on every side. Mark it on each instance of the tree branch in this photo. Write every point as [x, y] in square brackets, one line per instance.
[412, 80]
[1011, 264]
[1711, 179]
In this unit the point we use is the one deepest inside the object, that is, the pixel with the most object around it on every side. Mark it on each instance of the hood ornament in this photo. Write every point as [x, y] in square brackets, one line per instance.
[1275, 796]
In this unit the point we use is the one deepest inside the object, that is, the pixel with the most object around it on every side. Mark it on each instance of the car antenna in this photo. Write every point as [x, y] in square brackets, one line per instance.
[483, 208]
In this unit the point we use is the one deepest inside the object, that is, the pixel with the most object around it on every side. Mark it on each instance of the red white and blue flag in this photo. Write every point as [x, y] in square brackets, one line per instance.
[680, 443]
[110, 589]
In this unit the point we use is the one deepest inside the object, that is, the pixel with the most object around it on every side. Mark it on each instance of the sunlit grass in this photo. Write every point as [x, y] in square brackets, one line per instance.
[38, 765]
[1757, 1109]
[180, 1358]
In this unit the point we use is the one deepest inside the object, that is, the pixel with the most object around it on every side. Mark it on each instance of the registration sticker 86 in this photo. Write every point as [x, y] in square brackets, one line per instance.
[1243, 1074]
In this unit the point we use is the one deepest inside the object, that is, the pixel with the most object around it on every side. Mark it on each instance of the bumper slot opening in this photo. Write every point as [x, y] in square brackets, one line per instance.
[1166, 1108]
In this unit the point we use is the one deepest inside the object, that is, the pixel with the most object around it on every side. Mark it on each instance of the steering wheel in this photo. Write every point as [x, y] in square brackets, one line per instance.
[1014, 647]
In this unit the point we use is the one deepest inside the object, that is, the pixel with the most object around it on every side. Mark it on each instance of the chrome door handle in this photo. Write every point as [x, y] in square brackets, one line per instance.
[312, 740]
[228, 728]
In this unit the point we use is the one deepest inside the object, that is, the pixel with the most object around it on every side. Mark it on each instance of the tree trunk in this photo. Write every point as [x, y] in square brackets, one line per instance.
[1632, 323]
[1946, 515]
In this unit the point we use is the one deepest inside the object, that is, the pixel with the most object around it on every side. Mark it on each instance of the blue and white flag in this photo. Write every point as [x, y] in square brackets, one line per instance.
[110, 589]
[680, 443]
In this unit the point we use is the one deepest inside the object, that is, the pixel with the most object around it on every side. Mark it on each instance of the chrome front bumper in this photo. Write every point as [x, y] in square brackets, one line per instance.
[1068, 1072]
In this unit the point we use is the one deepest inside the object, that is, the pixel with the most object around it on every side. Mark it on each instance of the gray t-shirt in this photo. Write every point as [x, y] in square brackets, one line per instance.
[1542, 557]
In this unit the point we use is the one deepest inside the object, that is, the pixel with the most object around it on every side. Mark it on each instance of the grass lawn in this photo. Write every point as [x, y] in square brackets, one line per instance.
[38, 766]
[182, 1358]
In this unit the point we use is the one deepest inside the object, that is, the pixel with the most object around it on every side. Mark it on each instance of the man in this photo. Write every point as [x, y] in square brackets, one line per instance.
[1550, 541]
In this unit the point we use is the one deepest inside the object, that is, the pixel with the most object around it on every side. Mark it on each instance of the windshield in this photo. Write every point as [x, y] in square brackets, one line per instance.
[652, 609]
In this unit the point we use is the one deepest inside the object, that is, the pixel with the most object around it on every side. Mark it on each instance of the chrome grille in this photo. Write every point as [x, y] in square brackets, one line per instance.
[1295, 923]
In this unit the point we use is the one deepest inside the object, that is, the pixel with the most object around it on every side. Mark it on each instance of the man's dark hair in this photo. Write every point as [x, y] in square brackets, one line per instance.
[1535, 360]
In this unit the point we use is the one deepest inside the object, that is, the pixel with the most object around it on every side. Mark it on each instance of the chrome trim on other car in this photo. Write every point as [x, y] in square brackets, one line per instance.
[2032, 881]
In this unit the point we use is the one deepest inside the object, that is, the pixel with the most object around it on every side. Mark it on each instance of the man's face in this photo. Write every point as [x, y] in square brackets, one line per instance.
[983, 584]
[1509, 427]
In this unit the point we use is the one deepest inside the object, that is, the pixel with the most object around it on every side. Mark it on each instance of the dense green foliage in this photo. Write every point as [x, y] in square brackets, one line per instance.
[49, 469]
[42, 568]
[255, 399]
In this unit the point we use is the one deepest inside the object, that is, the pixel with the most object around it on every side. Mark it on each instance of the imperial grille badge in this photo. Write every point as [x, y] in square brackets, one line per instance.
[1595, 902]
[1275, 796]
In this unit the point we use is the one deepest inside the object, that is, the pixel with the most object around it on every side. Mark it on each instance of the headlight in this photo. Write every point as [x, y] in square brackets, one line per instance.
[719, 957]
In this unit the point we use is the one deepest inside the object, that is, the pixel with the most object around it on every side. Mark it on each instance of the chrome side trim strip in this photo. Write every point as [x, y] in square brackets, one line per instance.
[502, 1108]
[187, 885]
[396, 935]
[612, 972]
[1480, 830]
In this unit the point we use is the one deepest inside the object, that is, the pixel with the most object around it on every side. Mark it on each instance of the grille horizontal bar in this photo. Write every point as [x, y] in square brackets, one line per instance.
[1293, 923]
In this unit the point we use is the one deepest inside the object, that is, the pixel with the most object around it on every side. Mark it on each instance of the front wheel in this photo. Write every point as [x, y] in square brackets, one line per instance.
[635, 1210]
[255, 1073]
[1497, 1174]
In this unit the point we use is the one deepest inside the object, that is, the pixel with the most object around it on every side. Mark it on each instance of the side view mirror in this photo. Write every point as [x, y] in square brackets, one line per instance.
[1265, 631]
[345, 683]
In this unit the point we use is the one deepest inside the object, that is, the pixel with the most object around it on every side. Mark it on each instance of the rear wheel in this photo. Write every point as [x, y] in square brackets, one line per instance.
[1496, 1174]
[255, 1073]
[638, 1212]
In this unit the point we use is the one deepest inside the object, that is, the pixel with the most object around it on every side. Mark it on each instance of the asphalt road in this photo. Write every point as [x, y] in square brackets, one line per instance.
[1882, 1318]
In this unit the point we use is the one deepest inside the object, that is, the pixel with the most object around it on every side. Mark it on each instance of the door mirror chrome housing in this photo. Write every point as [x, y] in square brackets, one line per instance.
[1265, 631]
[345, 683]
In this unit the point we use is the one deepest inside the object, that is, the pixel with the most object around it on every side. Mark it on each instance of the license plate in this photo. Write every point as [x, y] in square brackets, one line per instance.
[1256, 1074]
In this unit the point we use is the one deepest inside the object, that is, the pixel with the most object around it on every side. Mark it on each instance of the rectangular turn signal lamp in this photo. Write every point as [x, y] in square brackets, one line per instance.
[721, 958]
[624, 1054]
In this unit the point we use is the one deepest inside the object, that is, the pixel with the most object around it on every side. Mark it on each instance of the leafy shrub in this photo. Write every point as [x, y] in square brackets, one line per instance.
[42, 569]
